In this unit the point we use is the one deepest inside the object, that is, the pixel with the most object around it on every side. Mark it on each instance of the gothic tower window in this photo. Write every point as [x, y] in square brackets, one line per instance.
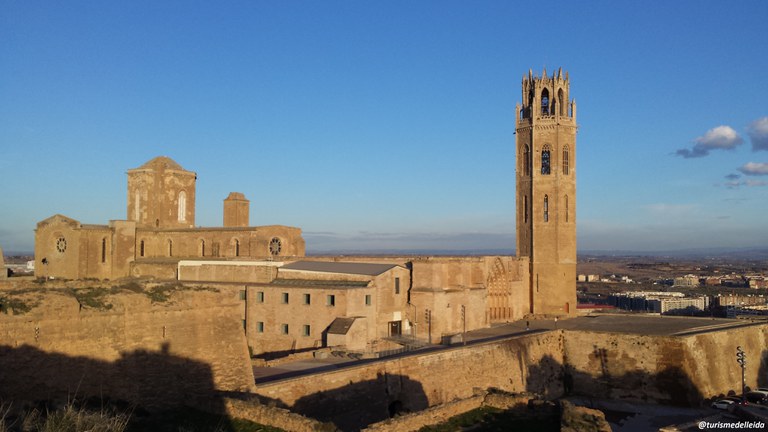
[546, 208]
[170, 248]
[525, 208]
[566, 160]
[237, 248]
[202, 248]
[104, 250]
[545, 158]
[141, 248]
[136, 206]
[182, 206]
[527, 160]
[545, 102]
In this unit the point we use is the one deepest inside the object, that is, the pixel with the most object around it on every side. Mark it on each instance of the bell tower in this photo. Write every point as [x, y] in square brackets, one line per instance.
[545, 131]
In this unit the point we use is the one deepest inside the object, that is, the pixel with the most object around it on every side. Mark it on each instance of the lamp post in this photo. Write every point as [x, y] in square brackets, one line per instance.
[428, 319]
[741, 359]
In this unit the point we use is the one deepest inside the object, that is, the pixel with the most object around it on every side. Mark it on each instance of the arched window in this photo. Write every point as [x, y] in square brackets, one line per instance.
[545, 102]
[545, 158]
[560, 102]
[141, 248]
[546, 208]
[525, 208]
[202, 248]
[526, 161]
[237, 248]
[136, 206]
[566, 160]
[566, 208]
[170, 247]
[182, 206]
[104, 250]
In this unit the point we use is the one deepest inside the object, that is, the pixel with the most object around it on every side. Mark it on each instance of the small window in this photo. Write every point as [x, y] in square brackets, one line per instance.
[202, 248]
[284, 328]
[526, 161]
[141, 248]
[170, 248]
[237, 248]
[103, 250]
[182, 206]
[285, 297]
[566, 161]
[307, 299]
[260, 327]
[242, 294]
[545, 159]
[397, 285]
[566, 208]
[367, 299]
[260, 297]
[525, 208]
[330, 300]
[546, 208]
[306, 330]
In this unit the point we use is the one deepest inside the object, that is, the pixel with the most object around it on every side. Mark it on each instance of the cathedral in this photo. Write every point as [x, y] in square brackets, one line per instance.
[158, 232]
[291, 301]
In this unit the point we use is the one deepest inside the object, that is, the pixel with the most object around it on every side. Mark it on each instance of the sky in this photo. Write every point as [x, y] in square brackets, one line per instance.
[389, 125]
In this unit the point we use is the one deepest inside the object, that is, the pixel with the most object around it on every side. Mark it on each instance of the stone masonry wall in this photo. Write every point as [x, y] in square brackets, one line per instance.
[183, 350]
[530, 363]
[679, 370]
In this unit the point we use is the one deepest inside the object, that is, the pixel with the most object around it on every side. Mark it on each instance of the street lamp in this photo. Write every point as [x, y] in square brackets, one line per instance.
[742, 361]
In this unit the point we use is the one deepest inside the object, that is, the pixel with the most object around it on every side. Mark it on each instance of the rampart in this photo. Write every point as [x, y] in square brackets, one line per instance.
[180, 347]
[683, 370]
[371, 392]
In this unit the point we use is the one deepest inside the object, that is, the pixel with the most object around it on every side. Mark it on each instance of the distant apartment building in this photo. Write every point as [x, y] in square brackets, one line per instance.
[659, 302]
[739, 300]
[758, 282]
[687, 281]
[588, 278]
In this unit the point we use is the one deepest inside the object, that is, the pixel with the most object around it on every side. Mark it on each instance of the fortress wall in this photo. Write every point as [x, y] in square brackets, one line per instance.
[182, 350]
[679, 370]
[530, 363]
[711, 359]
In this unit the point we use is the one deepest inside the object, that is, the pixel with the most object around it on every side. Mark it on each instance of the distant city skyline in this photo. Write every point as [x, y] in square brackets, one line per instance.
[389, 125]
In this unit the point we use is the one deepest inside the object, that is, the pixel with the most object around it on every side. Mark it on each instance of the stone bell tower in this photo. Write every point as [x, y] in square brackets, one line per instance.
[545, 130]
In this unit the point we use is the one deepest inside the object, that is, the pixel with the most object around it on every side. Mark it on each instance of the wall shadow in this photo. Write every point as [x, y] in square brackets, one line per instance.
[148, 380]
[672, 386]
[357, 405]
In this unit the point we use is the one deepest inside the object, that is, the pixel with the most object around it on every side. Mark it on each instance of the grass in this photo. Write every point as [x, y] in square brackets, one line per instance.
[91, 297]
[19, 307]
[73, 418]
[67, 419]
[191, 420]
[489, 419]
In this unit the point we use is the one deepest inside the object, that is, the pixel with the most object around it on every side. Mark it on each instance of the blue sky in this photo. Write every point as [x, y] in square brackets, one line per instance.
[389, 125]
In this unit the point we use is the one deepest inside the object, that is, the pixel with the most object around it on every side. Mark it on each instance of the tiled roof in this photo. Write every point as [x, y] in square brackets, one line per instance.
[340, 326]
[356, 268]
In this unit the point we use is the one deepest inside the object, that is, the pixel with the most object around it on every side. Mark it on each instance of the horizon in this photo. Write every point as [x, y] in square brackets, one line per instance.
[389, 126]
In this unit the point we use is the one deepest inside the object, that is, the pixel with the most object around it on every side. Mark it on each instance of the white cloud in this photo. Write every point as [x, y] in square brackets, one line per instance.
[755, 168]
[719, 138]
[758, 134]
